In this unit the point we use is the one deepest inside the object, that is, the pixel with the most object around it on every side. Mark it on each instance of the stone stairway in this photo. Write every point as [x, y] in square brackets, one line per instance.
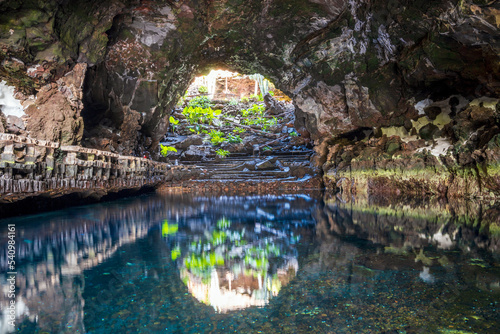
[280, 166]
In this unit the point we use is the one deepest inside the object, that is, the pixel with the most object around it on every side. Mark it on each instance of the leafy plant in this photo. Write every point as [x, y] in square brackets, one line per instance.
[196, 115]
[263, 122]
[216, 137]
[164, 150]
[269, 122]
[294, 134]
[267, 148]
[244, 99]
[233, 102]
[200, 101]
[222, 153]
[202, 89]
[239, 130]
[235, 139]
[173, 123]
[255, 109]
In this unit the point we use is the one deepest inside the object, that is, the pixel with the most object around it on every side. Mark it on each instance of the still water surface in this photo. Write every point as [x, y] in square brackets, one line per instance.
[248, 264]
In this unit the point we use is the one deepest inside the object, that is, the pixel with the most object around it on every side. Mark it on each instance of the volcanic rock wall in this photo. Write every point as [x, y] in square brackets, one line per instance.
[33, 167]
[351, 66]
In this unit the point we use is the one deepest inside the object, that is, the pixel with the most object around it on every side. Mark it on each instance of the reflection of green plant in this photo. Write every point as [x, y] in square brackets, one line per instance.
[216, 137]
[230, 247]
[175, 253]
[202, 89]
[222, 153]
[218, 237]
[166, 149]
[168, 229]
[173, 123]
[257, 257]
[223, 223]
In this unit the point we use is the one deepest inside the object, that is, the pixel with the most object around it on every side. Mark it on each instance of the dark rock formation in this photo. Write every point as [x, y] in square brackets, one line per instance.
[348, 65]
[34, 171]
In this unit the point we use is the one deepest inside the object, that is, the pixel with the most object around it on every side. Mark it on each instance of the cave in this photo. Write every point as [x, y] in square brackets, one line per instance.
[342, 162]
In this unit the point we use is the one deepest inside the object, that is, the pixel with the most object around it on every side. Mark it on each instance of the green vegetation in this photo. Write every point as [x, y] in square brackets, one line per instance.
[255, 116]
[263, 122]
[234, 139]
[495, 229]
[258, 97]
[239, 130]
[216, 137]
[197, 128]
[222, 153]
[200, 115]
[164, 150]
[200, 101]
[173, 123]
[202, 89]
[254, 110]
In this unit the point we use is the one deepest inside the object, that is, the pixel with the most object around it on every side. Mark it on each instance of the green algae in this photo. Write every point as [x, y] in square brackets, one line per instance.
[399, 131]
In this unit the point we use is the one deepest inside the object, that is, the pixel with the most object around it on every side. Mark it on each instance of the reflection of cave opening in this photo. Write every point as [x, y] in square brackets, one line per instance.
[233, 265]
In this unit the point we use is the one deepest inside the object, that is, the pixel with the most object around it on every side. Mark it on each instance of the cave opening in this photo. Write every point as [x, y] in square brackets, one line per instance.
[235, 121]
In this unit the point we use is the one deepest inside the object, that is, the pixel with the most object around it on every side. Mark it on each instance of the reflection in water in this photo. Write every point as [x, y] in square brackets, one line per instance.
[234, 264]
[287, 264]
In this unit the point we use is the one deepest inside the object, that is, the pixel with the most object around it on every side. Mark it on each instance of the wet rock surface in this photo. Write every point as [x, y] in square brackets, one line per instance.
[449, 158]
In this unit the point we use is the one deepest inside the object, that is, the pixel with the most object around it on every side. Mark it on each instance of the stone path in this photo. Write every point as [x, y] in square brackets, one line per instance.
[285, 170]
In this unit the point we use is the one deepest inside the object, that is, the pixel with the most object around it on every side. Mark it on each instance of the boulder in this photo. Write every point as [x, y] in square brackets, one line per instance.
[15, 125]
[189, 141]
[273, 106]
[196, 153]
[266, 164]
